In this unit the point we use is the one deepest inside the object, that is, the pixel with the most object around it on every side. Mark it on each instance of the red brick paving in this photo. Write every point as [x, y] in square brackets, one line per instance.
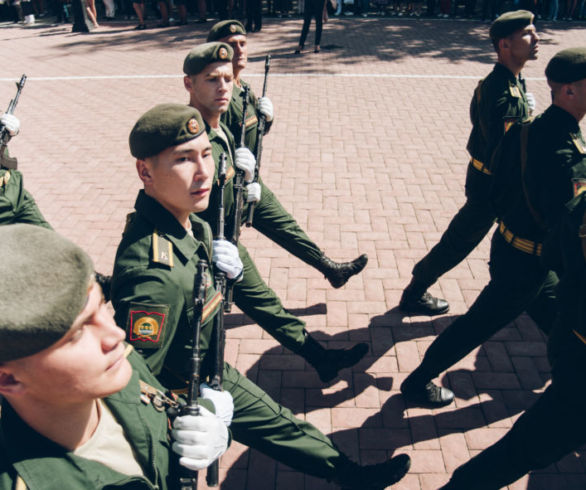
[368, 153]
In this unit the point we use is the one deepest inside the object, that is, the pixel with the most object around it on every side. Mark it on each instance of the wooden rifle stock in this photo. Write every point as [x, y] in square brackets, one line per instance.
[8, 162]
[238, 199]
[187, 477]
[261, 130]
[218, 340]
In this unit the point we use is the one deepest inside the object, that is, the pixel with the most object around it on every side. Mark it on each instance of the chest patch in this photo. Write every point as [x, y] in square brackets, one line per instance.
[251, 121]
[146, 324]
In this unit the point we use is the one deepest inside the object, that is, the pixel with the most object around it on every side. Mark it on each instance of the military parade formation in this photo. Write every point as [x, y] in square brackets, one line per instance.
[144, 398]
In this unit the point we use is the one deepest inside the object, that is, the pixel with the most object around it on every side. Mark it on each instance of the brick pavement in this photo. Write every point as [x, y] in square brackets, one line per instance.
[368, 153]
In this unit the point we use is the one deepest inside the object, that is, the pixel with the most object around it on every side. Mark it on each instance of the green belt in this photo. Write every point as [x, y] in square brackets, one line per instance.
[527, 246]
[478, 165]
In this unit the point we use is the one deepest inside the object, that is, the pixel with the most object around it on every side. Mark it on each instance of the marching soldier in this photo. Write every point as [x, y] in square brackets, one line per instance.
[153, 283]
[208, 79]
[519, 280]
[77, 409]
[556, 180]
[499, 100]
[270, 218]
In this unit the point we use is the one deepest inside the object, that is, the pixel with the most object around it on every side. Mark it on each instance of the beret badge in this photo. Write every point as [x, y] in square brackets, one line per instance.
[193, 126]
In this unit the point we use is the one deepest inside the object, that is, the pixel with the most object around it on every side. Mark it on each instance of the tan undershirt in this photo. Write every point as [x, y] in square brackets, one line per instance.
[109, 446]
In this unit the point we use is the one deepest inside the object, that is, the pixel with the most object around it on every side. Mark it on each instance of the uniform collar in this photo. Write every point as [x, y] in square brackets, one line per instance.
[503, 71]
[562, 119]
[167, 225]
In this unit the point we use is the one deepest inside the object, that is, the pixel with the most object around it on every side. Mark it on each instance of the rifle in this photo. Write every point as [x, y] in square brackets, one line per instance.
[218, 340]
[238, 187]
[261, 129]
[8, 162]
[187, 477]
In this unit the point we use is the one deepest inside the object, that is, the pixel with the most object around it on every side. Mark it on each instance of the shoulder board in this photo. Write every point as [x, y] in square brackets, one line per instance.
[579, 144]
[514, 91]
[162, 250]
[5, 178]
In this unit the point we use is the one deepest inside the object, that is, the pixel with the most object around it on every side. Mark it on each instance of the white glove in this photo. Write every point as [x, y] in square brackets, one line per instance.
[199, 439]
[531, 102]
[253, 192]
[265, 107]
[222, 401]
[245, 161]
[225, 256]
[11, 123]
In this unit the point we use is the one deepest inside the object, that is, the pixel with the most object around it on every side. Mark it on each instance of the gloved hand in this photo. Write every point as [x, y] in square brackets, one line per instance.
[531, 102]
[11, 123]
[265, 107]
[245, 161]
[222, 401]
[253, 192]
[225, 256]
[199, 439]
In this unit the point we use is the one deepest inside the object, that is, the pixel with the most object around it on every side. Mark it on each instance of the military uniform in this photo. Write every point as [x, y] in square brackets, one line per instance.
[43, 464]
[152, 288]
[554, 426]
[499, 101]
[16, 203]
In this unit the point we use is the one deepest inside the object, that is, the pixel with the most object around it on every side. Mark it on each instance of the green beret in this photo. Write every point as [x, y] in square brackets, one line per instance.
[163, 126]
[225, 28]
[567, 66]
[204, 54]
[44, 279]
[509, 22]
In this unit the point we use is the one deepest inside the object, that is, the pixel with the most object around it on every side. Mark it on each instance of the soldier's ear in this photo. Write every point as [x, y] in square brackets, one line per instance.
[144, 171]
[187, 83]
[9, 385]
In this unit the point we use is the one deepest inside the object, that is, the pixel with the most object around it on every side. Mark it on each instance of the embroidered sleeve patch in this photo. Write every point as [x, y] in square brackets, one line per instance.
[230, 173]
[579, 186]
[146, 325]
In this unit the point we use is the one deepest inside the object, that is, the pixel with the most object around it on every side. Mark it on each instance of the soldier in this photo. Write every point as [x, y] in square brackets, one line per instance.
[76, 412]
[519, 281]
[208, 79]
[16, 203]
[556, 175]
[153, 288]
[499, 100]
[270, 218]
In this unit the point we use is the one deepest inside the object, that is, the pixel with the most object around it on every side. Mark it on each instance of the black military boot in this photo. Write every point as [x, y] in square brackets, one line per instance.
[374, 476]
[420, 389]
[417, 301]
[327, 362]
[338, 273]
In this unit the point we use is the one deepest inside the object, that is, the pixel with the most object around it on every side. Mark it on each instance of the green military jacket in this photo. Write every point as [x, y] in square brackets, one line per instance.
[45, 465]
[233, 117]
[555, 172]
[152, 289]
[499, 101]
[16, 204]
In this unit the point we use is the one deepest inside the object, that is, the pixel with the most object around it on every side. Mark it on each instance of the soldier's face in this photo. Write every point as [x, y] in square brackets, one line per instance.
[240, 47]
[210, 90]
[578, 90]
[180, 177]
[86, 364]
[524, 44]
